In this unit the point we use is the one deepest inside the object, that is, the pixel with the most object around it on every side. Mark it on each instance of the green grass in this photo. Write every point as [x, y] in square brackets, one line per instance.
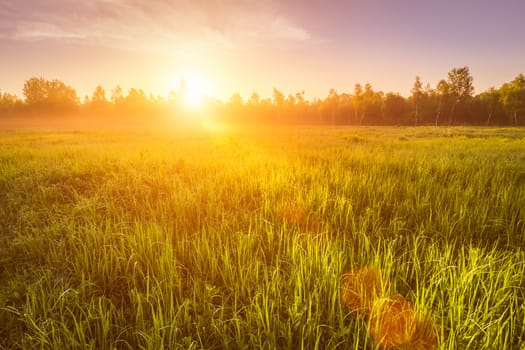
[184, 240]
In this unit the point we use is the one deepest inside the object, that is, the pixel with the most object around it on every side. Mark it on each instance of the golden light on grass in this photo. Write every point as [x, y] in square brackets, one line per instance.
[296, 212]
[361, 287]
[395, 324]
[215, 127]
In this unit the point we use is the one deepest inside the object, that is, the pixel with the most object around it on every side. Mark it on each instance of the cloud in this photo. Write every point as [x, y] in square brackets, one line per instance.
[158, 25]
[283, 29]
[39, 31]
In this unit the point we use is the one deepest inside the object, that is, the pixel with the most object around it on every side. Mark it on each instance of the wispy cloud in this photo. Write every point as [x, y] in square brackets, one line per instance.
[154, 25]
[39, 31]
[281, 28]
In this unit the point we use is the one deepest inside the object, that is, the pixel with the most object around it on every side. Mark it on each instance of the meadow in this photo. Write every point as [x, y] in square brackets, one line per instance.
[238, 239]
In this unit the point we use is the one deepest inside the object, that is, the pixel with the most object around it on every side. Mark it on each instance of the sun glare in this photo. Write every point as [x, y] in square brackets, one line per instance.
[193, 89]
[194, 97]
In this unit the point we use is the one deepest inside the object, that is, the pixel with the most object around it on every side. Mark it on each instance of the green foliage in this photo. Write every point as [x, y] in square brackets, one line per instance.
[513, 98]
[451, 102]
[239, 240]
[460, 89]
[460, 83]
[9, 103]
[49, 95]
[395, 108]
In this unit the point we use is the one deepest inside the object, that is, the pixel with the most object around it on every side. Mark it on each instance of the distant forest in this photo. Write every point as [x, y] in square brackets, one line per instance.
[450, 102]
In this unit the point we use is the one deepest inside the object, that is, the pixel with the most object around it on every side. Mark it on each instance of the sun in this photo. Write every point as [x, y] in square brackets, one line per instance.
[194, 88]
[194, 97]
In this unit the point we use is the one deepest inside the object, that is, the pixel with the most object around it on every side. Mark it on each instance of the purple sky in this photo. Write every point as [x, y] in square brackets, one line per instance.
[257, 45]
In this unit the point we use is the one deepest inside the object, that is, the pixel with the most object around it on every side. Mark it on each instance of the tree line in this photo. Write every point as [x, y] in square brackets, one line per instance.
[450, 102]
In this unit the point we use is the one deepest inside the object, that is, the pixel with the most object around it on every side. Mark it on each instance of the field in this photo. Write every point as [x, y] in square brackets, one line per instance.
[238, 239]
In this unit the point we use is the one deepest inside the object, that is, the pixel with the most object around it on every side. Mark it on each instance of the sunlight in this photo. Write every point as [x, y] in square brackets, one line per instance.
[194, 88]
[215, 127]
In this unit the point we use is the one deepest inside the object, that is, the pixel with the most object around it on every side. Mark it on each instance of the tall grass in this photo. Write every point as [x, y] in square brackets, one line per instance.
[239, 240]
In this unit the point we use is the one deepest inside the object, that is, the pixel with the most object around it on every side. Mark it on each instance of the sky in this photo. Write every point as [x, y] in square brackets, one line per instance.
[228, 46]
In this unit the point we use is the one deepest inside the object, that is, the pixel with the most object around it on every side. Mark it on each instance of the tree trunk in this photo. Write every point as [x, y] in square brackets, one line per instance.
[362, 118]
[417, 112]
[516, 110]
[451, 119]
[438, 111]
